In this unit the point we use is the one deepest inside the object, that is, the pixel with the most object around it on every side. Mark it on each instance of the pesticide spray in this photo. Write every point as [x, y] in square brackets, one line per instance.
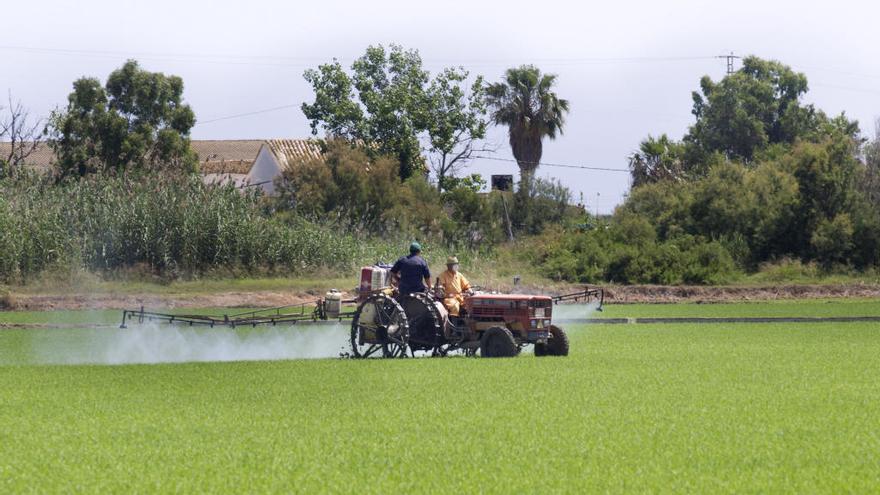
[158, 343]
[563, 312]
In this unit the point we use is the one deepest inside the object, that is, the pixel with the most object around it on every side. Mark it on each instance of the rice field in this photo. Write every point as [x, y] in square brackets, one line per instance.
[782, 408]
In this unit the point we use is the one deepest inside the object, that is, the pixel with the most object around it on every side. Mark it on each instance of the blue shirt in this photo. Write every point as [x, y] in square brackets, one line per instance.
[412, 270]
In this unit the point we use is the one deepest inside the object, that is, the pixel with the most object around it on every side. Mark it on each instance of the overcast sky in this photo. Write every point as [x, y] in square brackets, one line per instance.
[627, 67]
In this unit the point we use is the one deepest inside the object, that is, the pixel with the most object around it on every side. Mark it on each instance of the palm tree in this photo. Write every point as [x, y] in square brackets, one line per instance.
[525, 103]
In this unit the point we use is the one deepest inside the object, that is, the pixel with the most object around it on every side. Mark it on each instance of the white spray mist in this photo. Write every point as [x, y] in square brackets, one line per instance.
[162, 343]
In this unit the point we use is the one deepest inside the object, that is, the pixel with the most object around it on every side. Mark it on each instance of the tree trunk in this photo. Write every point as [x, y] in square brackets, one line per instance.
[527, 149]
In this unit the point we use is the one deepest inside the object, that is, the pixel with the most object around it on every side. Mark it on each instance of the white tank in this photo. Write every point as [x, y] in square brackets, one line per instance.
[333, 304]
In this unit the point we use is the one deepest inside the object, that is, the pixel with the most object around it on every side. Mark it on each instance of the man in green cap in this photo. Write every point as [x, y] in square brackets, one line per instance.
[410, 273]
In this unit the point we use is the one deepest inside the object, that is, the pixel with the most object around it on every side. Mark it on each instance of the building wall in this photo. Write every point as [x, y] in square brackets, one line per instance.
[266, 168]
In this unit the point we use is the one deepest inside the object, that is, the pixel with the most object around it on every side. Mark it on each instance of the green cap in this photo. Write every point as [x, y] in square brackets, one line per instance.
[415, 247]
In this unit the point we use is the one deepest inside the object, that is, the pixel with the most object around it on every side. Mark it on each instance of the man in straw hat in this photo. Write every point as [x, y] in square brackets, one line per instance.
[454, 285]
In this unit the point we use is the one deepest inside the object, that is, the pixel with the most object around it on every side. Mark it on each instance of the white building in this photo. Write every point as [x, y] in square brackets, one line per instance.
[252, 163]
[246, 163]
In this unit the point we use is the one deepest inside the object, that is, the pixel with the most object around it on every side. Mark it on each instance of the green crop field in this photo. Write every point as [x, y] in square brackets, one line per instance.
[660, 408]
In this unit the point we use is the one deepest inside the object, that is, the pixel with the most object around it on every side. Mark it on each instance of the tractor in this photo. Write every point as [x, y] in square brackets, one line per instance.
[385, 324]
[498, 325]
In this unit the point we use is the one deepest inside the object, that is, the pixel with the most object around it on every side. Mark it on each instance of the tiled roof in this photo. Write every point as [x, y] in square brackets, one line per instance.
[215, 156]
[226, 167]
[291, 152]
[42, 158]
[227, 150]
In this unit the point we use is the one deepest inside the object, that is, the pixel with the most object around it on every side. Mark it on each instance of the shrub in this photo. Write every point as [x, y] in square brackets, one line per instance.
[708, 263]
[787, 269]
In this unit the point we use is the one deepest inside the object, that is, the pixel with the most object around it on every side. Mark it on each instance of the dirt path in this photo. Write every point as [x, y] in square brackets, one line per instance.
[110, 301]
[613, 295]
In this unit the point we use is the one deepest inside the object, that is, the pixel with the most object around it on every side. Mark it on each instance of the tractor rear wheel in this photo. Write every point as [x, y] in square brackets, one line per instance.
[498, 342]
[379, 327]
[557, 345]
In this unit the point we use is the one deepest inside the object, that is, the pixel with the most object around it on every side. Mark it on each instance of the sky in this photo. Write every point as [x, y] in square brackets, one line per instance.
[627, 67]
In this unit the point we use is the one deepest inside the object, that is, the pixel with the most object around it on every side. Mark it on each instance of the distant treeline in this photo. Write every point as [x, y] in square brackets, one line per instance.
[760, 177]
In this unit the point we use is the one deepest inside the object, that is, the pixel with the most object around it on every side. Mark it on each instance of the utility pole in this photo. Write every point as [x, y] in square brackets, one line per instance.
[597, 204]
[730, 58]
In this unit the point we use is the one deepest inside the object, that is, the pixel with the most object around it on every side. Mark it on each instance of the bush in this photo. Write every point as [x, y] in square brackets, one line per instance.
[626, 252]
[787, 269]
[708, 263]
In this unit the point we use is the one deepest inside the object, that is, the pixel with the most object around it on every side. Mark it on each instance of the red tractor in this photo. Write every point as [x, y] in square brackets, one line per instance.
[498, 325]
[385, 325]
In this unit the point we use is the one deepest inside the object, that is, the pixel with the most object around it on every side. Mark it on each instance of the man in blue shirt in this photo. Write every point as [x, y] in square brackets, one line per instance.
[411, 273]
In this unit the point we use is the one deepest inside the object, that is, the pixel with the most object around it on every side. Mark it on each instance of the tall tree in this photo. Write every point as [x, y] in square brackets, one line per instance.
[390, 104]
[526, 104]
[22, 135]
[757, 106]
[137, 120]
[458, 123]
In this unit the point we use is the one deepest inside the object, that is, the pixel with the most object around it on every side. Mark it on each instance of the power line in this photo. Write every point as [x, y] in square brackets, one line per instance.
[563, 165]
[288, 61]
[248, 114]
[847, 88]
[837, 71]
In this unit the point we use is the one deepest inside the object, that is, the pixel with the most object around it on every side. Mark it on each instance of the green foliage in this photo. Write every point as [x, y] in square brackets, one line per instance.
[786, 270]
[526, 104]
[457, 121]
[365, 195]
[538, 203]
[869, 182]
[627, 251]
[350, 187]
[756, 106]
[389, 101]
[172, 225]
[763, 174]
[750, 116]
[137, 120]
[833, 240]
[658, 159]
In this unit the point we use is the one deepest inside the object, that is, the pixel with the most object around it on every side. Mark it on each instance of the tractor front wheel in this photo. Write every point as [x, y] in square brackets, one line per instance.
[557, 345]
[498, 342]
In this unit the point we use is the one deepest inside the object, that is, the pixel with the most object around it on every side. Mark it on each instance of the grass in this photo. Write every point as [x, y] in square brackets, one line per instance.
[790, 307]
[669, 408]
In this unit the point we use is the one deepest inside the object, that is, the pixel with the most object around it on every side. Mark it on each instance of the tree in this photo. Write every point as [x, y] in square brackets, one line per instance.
[538, 203]
[748, 110]
[344, 183]
[658, 159]
[23, 136]
[390, 104]
[137, 120]
[457, 125]
[526, 104]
